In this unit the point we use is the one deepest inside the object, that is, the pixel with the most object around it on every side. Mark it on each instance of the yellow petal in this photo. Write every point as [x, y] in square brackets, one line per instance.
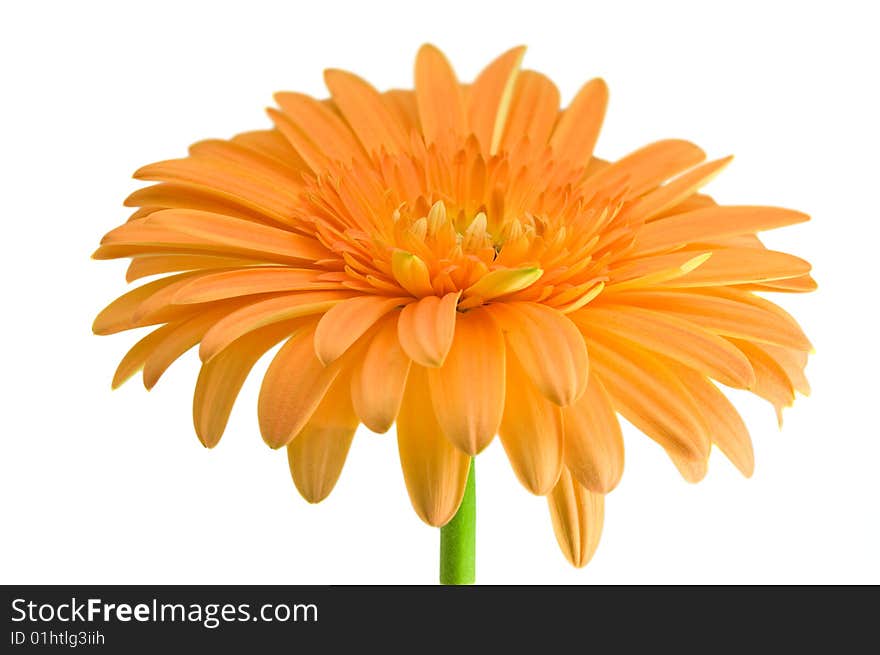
[293, 386]
[440, 100]
[490, 96]
[577, 515]
[549, 347]
[347, 321]
[221, 379]
[316, 455]
[593, 440]
[531, 431]
[379, 378]
[502, 281]
[578, 128]
[468, 390]
[426, 328]
[411, 273]
[434, 470]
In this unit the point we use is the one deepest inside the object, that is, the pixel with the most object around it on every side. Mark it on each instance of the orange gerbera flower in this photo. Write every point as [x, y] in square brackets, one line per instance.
[455, 260]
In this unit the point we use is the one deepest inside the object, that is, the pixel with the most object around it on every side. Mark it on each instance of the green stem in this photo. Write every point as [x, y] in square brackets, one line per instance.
[458, 539]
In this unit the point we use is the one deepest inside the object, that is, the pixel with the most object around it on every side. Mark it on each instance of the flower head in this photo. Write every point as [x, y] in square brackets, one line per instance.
[455, 260]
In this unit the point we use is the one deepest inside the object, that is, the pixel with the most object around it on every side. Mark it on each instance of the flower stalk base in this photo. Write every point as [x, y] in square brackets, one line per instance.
[458, 539]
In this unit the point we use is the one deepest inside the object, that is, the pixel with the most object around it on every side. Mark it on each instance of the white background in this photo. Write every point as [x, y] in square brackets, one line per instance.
[114, 487]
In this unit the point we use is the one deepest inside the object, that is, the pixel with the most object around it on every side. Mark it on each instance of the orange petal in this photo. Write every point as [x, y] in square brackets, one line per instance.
[647, 167]
[363, 109]
[548, 345]
[577, 515]
[672, 337]
[593, 440]
[703, 225]
[792, 362]
[676, 191]
[234, 183]
[272, 144]
[578, 128]
[531, 431]
[533, 111]
[316, 455]
[725, 425]
[379, 378]
[136, 357]
[490, 96]
[221, 379]
[402, 105]
[771, 382]
[121, 313]
[147, 265]
[426, 328]
[434, 470]
[250, 281]
[184, 336]
[734, 315]
[347, 321]
[237, 156]
[169, 195]
[238, 234]
[324, 128]
[160, 307]
[137, 237]
[292, 388]
[651, 397]
[298, 138]
[800, 284]
[440, 100]
[468, 390]
[745, 297]
[741, 265]
[645, 272]
[257, 314]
